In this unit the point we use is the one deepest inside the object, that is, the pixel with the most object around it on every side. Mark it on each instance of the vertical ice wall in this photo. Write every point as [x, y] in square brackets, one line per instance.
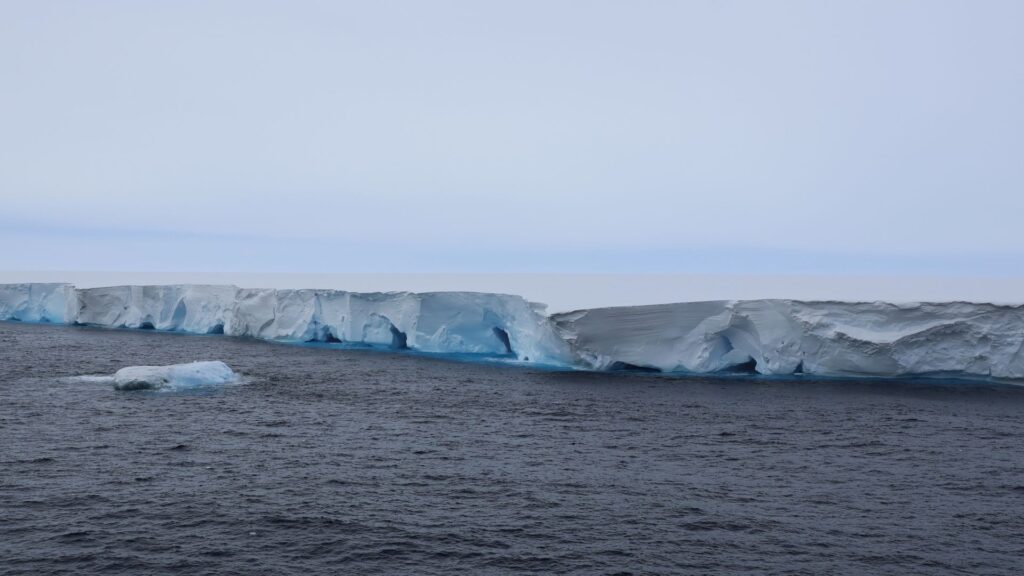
[38, 303]
[196, 309]
[440, 322]
[791, 337]
[758, 336]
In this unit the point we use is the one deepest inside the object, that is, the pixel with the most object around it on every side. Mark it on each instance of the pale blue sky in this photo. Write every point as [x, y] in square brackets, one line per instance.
[677, 136]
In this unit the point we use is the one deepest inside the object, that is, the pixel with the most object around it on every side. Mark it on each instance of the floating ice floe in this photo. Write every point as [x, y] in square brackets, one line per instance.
[175, 376]
[170, 377]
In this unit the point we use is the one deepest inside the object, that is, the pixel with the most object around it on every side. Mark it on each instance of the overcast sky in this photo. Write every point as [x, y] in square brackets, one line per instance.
[678, 136]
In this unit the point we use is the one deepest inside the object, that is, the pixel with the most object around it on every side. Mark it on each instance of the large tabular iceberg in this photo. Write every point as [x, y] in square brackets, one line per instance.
[772, 337]
[38, 303]
[438, 322]
[790, 337]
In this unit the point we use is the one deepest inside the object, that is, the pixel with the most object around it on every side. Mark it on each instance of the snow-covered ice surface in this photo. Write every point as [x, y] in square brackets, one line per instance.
[769, 337]
[171, 377]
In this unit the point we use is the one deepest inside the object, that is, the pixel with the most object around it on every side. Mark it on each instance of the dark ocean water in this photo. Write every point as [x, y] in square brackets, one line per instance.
[356, 462]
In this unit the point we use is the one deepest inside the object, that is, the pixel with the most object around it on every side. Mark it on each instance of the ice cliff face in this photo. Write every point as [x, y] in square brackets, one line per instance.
[442, 322]
[196, 309]
[38, 303]
[790, 337]
[774, 337]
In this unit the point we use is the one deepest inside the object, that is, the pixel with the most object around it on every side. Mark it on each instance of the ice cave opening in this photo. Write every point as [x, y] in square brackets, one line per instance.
[748, 367]
[503, 336]
[399, 339]
[619, 366]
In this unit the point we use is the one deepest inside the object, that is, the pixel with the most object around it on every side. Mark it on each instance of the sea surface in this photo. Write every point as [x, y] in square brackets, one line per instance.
[360, 462]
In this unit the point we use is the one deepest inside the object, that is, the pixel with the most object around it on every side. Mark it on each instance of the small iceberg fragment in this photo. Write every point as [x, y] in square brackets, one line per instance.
[175, 376]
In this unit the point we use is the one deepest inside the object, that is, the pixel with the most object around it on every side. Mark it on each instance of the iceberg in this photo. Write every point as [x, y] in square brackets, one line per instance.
[175, 376]
[38, 303]
[436, 322]
[195, 309]
[785, 337]
[170, 377]
[765, 337]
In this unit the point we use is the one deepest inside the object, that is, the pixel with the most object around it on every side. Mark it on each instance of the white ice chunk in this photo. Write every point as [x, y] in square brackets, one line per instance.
[175, 376]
